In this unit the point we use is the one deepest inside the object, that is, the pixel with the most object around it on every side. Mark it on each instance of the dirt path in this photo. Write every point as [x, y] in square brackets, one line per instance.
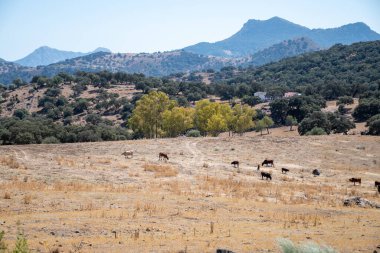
[198, 156]
[20, 154]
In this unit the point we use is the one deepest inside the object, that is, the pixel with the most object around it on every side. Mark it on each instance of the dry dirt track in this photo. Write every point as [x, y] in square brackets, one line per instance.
[75, 197]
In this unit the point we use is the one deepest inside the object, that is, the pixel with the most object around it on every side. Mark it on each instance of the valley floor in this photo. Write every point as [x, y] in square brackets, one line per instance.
[87, 197]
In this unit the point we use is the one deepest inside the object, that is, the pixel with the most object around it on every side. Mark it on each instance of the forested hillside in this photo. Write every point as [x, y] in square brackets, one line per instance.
[339, 71]
[100, 106]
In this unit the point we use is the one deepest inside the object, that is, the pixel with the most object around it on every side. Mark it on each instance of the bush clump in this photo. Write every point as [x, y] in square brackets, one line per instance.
[287, 246]
[193, 133]
[316, 131]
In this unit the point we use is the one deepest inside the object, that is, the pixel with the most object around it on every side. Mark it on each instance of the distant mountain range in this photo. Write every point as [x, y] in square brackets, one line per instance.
[155, 64]
[47, 55]
[257, 43]
[257, 35]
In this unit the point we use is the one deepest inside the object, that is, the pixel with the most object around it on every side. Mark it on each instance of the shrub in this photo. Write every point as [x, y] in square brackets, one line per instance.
[288, 246]
[3, 246]
[366, 109]
[20, 113]
[193, 133]
[21, 245]
[374, 125]
[50, 140]
[316, 119]
[345, 100]
[316, 131]
[24, 138]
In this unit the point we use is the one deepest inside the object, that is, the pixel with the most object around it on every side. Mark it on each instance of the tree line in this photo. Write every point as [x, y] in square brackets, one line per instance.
[156, 115]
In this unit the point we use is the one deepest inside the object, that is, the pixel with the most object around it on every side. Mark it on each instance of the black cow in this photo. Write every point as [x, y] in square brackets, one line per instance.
[163, 156]
[235, 164]
[266, 175]
[268, 162]
[284, 170]
[355, 180]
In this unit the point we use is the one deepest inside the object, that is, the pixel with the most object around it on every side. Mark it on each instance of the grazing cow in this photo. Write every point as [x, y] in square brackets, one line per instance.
[128, 154]
[316, 172]
[163, 156]
[235, 164]
[266, 175]
[284, 170]
[267, 162]
[224, 251]
[355, 180]
[258, 167]
[377, 183]
[378, 188]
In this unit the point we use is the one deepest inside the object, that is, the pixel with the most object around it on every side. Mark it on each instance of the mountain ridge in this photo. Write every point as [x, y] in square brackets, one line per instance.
[46, 55]
[256, 35]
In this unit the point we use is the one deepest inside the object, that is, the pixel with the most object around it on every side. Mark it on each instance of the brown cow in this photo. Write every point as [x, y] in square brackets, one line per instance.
[267, 162]
[355, 180]
[128, 154]
[163, 156]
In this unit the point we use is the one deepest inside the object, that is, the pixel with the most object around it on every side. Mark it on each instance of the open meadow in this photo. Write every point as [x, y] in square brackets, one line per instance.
[87, 197]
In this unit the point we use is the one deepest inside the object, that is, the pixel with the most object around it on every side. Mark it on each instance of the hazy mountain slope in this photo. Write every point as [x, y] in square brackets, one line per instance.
[282, 50]
[156, 64]
[347, 34]
[10, 71]
[46, 55]
[257, 35]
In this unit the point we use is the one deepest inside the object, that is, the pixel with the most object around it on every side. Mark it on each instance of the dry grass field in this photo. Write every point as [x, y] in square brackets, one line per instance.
[87, 197]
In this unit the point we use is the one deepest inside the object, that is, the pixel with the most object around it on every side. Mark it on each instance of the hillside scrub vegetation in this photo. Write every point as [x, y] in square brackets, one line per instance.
[88, 106]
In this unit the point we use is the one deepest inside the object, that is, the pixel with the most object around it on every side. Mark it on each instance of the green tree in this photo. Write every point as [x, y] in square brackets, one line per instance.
[80, 106]
[24, 138]
[21, 113]
[340, 123]
[279, 110]
[374, 125]
[268, 122]
[204, 109]
[316, 119]
[216, 124]
[366, 109]
[94, 119]
[212, 117]
[251, 100]
[241, 120]
[260, 126]
[345, 100]
[177, 121]
[291, 121]
[148, 114]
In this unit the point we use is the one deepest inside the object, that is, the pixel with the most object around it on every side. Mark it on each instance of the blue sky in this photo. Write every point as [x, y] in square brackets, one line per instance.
[157, 25]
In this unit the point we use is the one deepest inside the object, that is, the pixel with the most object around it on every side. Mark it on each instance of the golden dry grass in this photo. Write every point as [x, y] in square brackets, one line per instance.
[161, 170]
[88, 198]
[11, 162]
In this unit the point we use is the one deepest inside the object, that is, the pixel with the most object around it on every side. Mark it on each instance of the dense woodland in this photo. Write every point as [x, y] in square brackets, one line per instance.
[342, 72]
